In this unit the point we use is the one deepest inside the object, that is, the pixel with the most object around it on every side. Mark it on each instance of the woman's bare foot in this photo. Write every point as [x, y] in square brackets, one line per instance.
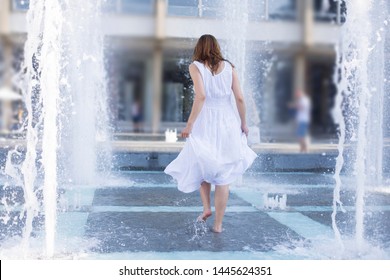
[204, 216]
[216, 229]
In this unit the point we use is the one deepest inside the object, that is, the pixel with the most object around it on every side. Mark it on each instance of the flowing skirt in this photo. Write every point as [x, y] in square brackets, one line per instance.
[215, 152]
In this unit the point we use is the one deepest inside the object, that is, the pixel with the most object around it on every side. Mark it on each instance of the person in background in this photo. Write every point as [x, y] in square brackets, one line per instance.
[136, 113]
[302, 106]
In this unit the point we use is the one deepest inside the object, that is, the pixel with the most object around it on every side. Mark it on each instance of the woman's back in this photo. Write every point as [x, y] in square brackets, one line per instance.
[219, 85]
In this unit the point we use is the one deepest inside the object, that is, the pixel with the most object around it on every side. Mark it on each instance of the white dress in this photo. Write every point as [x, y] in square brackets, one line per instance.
[216, 150]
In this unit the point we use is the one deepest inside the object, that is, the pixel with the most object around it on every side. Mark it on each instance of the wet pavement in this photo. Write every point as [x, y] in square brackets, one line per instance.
[142, 214]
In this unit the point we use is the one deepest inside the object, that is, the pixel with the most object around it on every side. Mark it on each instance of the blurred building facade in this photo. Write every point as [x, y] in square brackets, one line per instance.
[150, 44]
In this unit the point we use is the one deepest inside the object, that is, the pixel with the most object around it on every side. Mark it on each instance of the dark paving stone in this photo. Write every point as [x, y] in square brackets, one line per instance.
[142, 160]
[377, 225]
[315, 197]
[324, 197]
[13, 223]
[153, 196]
[377, 199]
[271, 177]
[291, 178]
[297, 162]
[167, 232]
[14, 195]
[267, 161]
[147, 177]
[11, 195]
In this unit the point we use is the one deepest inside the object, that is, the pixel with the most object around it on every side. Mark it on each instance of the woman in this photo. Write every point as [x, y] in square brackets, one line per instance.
[216, 150]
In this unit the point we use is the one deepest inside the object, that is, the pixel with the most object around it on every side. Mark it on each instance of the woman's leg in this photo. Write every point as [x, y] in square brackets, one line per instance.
[205, 191]
[221, 198]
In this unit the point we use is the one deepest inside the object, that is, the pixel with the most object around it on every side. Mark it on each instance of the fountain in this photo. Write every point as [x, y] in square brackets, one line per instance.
[67, 128]
[63, 84]
[236, 20]
[359, 107]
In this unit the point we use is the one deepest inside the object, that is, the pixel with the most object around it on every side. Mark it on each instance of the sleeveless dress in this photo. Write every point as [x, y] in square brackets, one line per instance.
[216, 150]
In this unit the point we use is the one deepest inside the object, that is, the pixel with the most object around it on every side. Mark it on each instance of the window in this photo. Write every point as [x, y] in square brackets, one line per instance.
[20, 5]
[211, 8]
[282, 9]
[326, 10]
[183, 8]
[110, 6]
[177, 91]
[142, 7]
[256, 10]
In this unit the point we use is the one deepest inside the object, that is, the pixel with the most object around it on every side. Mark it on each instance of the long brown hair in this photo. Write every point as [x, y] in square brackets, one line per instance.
[208, 51]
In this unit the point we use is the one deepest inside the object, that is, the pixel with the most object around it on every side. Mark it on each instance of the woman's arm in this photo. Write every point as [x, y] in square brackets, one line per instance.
[199, 99]
[240, 102]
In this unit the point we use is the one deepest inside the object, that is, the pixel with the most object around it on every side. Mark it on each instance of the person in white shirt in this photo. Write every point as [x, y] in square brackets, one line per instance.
[303, 117]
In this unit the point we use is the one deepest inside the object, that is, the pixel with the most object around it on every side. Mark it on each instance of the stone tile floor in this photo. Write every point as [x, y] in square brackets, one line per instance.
[143, 215]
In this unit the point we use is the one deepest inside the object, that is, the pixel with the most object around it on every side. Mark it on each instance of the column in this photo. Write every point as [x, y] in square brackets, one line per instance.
[6, 47]
[6, 105]
[157, 86]
[5, 9]
[266, 9]
[338, 12]
[113, 73]
[5, 44]
[306, 20]
[158, 64]
[300, 71]
[161, 10]
[148, 94]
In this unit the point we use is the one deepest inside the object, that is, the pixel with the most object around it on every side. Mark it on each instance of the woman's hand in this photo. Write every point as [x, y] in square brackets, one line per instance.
[186, 131]
[244, 129]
